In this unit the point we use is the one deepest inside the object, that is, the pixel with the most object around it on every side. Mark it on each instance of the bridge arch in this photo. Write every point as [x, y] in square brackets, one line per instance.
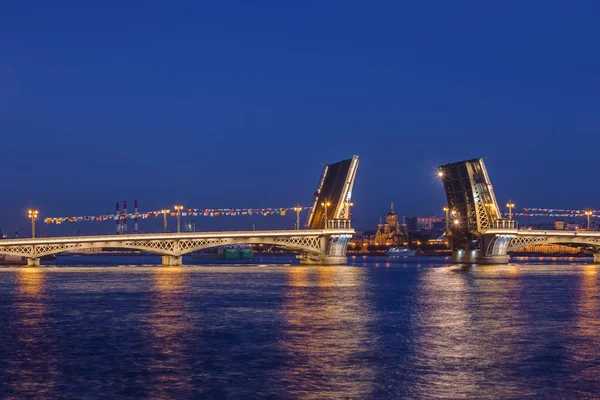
[173, 247]
[502, 244]
[304, 244]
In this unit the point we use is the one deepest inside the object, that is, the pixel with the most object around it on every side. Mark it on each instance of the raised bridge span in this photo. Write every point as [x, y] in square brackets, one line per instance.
[325, 246]
[479, 233]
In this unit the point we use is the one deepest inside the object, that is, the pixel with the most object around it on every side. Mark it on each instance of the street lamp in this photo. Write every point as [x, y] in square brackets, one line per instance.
[589, 214]
[164, 212]
[33, 214]
[298, 209]
[446, 209]
[178, 208]
[326, 204]
[510, 206]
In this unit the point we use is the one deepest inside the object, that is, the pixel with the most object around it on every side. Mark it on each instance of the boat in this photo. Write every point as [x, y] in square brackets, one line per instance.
[6, 259]
[238, 252]
[12, 260]
[400, 251]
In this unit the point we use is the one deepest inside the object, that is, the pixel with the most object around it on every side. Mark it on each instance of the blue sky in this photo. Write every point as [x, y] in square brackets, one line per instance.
[234, 104]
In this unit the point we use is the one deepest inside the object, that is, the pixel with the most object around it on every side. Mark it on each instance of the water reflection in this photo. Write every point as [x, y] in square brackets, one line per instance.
[326, 333]
[588, 310]
[584, 364]
[169, 320]
[32, 366]
[467, 327]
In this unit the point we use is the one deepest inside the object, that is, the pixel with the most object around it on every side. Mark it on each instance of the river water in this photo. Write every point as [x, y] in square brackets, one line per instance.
[376, 329]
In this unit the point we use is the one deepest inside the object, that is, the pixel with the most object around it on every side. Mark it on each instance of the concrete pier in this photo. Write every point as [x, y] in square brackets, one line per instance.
[335, 260]
[172, 261]
[475, 257]
[33, 262]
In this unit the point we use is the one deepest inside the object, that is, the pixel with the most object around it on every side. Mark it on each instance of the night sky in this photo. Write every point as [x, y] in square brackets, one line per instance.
[233, 104]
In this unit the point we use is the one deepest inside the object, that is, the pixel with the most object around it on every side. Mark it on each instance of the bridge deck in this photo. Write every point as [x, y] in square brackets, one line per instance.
[523, 232]
[175, 236]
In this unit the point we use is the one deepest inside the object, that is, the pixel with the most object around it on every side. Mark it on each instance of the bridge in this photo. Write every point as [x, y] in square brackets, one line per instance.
[324, 242]
[477, 231]
[325, 246]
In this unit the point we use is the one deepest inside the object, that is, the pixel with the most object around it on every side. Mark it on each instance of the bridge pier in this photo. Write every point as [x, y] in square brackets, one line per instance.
[308, 259]
[172, 261]
[334, 260]
[596, 258]
[475, 257]
[333, 251]
[33, 262]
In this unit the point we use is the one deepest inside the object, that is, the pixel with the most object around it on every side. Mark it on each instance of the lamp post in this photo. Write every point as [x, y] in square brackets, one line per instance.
[589, 214]
[33, 214]
[446, 209]
[178, 208]
[298, 209]
[164, 212]
[510, 206]
[326, 204]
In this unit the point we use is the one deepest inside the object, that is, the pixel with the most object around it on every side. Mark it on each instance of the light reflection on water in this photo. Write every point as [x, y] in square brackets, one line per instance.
[464, 340]
[32, 361]
[395, 330]
[169, 320]
[326, 334]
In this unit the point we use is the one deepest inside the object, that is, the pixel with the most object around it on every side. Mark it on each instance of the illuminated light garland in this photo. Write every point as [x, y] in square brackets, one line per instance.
[554, 212]
[190, 212]
[559, 214]
[559, 210]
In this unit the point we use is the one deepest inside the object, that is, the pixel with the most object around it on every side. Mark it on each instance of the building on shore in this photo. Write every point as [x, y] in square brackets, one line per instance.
[388, 233]
[424, 224]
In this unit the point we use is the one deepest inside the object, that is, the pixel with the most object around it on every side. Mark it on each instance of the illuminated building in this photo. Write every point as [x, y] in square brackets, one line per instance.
[388, 233]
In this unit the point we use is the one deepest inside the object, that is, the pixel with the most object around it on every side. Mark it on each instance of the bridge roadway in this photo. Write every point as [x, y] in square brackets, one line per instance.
[323, 246]
[498, 242]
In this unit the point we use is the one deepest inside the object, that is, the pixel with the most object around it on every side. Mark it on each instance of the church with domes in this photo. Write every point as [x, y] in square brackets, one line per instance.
[390, 232]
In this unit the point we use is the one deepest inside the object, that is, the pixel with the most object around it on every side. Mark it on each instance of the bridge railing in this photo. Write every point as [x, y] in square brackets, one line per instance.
[504, 223]
[338, 224]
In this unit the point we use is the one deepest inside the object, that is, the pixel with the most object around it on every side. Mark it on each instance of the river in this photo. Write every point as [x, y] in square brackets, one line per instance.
[376, 329]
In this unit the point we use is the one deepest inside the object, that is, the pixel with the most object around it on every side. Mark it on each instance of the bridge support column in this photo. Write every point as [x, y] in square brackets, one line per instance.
[334, 260]
[475, 257]
[172, 261]
[596, 258]
[33, 262]
[334, 252]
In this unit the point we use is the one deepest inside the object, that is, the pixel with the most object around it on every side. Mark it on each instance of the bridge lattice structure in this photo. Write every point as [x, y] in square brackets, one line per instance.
[316, 245]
